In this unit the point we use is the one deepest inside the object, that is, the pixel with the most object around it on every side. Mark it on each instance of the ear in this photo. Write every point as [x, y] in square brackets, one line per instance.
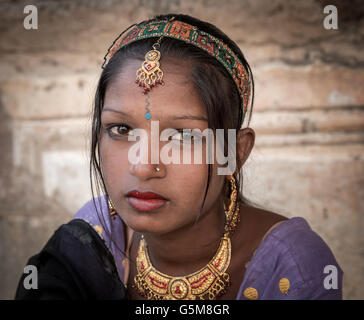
[245, 140]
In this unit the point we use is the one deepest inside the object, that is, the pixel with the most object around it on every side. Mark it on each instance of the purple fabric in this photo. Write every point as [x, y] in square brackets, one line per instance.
[114, 230]
[291, 250]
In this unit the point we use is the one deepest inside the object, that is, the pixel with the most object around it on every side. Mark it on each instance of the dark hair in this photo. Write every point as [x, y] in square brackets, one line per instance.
[216, 87]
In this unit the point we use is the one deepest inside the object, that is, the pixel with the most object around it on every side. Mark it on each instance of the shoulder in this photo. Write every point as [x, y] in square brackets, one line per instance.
[298, 243]
[74, 264]
[94, 210]
[96, 213]
[294, 252]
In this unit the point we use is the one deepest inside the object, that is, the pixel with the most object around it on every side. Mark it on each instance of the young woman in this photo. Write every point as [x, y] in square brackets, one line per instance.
[169, 229]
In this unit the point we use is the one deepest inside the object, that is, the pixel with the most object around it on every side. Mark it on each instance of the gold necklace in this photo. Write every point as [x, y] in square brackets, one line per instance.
[209, 282]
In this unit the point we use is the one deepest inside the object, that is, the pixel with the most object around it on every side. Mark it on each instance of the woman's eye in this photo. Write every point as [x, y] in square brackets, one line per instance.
[119, 130]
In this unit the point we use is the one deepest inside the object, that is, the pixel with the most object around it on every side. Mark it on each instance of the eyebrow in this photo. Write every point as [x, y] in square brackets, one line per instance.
[181, 117]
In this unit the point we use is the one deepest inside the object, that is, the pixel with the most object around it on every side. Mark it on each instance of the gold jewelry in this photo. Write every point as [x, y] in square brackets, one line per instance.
[112, 209]
[209, 282]
[232, 214]
[150, 75]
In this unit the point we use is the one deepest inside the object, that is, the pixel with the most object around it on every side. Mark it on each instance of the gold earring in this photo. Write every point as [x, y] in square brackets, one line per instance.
[232, 213]
[112, 210]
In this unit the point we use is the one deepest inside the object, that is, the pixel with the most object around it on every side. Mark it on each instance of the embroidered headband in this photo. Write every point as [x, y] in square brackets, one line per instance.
[150, 75]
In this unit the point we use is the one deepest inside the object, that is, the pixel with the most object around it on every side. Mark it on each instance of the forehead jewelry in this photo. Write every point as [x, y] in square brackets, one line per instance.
[150, 74]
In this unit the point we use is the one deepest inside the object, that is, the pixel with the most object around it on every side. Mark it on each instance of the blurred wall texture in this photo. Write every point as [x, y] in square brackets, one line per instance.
[308, 116]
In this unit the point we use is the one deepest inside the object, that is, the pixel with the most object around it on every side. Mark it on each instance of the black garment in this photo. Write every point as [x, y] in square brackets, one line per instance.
[75, 264]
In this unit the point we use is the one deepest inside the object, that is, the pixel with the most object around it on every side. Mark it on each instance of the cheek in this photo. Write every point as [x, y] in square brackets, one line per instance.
[113, 161]
[190, 179]
[190, 182]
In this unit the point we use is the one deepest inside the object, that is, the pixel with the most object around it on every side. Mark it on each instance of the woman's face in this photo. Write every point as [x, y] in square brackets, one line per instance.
[175, 105]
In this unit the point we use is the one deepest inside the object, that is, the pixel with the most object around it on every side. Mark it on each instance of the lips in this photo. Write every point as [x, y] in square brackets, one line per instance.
[145, 201]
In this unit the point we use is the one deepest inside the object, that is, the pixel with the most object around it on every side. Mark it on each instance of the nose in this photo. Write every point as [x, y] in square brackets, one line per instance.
[146, 171]
[140, 159]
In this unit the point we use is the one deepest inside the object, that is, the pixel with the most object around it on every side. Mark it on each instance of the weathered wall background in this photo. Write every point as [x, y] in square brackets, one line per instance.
[308, 116]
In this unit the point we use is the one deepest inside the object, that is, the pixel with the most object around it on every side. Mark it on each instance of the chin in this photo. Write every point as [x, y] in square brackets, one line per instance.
[144, 224]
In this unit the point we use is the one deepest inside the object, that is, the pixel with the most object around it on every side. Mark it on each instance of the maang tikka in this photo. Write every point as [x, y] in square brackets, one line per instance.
[150, 75]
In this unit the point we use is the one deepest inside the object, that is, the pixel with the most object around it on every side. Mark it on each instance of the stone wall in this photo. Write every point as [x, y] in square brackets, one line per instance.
[308, 115]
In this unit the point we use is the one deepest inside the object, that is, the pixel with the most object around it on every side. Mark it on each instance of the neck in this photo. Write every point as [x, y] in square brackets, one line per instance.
[188, 249]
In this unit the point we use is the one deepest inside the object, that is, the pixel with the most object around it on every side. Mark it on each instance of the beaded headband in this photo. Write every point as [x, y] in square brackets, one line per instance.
[150, 75]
